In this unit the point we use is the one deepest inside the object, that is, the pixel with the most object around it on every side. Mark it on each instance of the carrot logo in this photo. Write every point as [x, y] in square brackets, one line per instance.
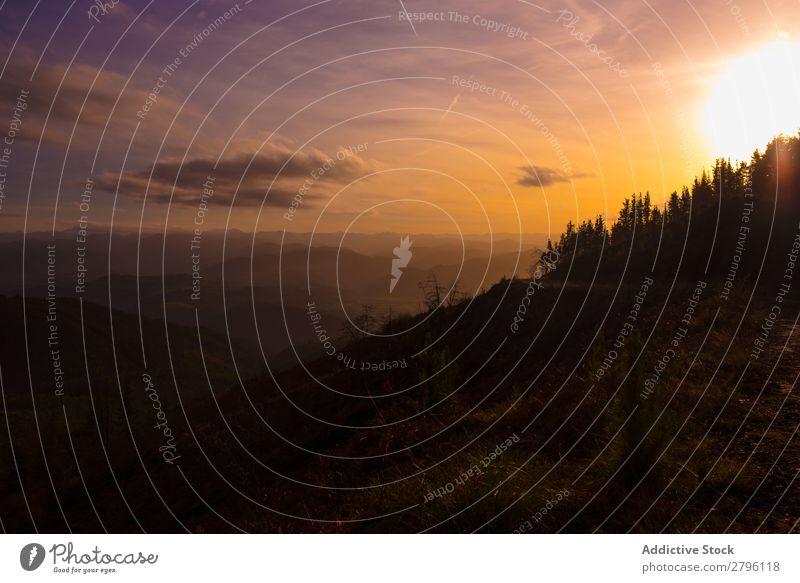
[31, 556]
[402, 255]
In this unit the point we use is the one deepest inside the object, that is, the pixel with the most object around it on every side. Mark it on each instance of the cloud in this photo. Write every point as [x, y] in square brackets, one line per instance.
[536, 176]
[453, 103]
[248, 176]
[63, 96]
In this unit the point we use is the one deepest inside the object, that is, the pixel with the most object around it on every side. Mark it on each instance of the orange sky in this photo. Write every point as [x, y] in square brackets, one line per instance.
[464, 116]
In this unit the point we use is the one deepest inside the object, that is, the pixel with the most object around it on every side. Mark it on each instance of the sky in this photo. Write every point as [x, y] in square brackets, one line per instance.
[367, 116]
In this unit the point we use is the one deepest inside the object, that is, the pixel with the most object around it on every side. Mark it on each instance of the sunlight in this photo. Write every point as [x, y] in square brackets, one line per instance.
[755, 99]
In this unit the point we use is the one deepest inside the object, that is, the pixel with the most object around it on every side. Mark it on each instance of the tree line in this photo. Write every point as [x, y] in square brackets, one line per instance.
[751, 206]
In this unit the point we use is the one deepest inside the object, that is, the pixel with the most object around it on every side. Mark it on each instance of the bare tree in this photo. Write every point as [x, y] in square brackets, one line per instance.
[387, 318]
[432, 292]
[455, 296]
[366, 320]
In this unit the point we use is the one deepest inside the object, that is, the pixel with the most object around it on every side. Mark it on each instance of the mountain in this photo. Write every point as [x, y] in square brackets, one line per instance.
[636, 382]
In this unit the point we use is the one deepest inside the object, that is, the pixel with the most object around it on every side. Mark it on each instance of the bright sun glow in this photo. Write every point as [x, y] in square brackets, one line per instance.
[756, 98]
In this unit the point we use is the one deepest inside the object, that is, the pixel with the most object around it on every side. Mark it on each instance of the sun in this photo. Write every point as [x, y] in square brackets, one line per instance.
[756, 98]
